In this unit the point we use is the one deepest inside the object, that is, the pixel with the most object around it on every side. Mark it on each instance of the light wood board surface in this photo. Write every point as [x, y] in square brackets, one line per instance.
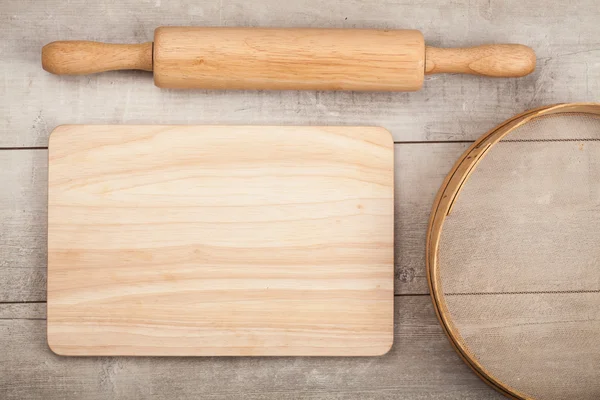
[419, 172]
[220, 240]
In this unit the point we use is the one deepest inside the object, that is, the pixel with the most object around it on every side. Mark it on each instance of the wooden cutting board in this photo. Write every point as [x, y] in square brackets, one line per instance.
[220, 240]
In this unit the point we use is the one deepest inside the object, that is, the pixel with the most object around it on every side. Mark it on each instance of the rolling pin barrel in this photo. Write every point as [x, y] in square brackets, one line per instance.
[314, 59]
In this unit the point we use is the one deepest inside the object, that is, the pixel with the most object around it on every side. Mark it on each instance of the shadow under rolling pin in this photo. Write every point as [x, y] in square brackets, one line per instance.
[287, 59]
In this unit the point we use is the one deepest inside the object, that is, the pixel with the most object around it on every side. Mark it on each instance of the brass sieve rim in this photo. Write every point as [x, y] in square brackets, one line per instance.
[442, 207]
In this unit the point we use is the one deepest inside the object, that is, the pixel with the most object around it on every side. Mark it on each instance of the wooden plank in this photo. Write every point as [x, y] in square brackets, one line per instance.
[419, 171]
[23, 311]
[421, 365]
[220, 240]
[450, 107]
[23, 217]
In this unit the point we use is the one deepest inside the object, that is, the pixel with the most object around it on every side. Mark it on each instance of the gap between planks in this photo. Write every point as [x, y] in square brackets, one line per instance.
[36, 310]
[395, 142]
[25, 148]
[44, 302]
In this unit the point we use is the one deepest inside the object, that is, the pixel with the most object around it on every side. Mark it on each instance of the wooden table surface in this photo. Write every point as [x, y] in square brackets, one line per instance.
[431, 129]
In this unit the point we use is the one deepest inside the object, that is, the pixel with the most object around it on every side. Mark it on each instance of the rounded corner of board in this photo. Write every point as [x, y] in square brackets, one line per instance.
[385, 133]
[384, 349]
[56, 132]
[387, 348]
[54, 348]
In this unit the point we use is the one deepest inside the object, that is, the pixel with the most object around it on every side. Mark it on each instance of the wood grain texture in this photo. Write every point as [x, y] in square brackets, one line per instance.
[220, 240]
[419, 171]
[499, 60]
[86, 57]
[458, 107]
[421, 365]
[287, 58]
[315, 59]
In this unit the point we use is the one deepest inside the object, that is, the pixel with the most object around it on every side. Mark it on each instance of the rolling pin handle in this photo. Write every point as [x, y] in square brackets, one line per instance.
[496, 60]
[84, 57]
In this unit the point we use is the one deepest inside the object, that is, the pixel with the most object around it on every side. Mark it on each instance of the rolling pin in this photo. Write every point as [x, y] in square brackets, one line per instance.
[268, 58]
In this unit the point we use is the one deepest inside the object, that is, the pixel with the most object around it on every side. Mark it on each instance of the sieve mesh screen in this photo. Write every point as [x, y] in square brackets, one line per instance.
[519, 260]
